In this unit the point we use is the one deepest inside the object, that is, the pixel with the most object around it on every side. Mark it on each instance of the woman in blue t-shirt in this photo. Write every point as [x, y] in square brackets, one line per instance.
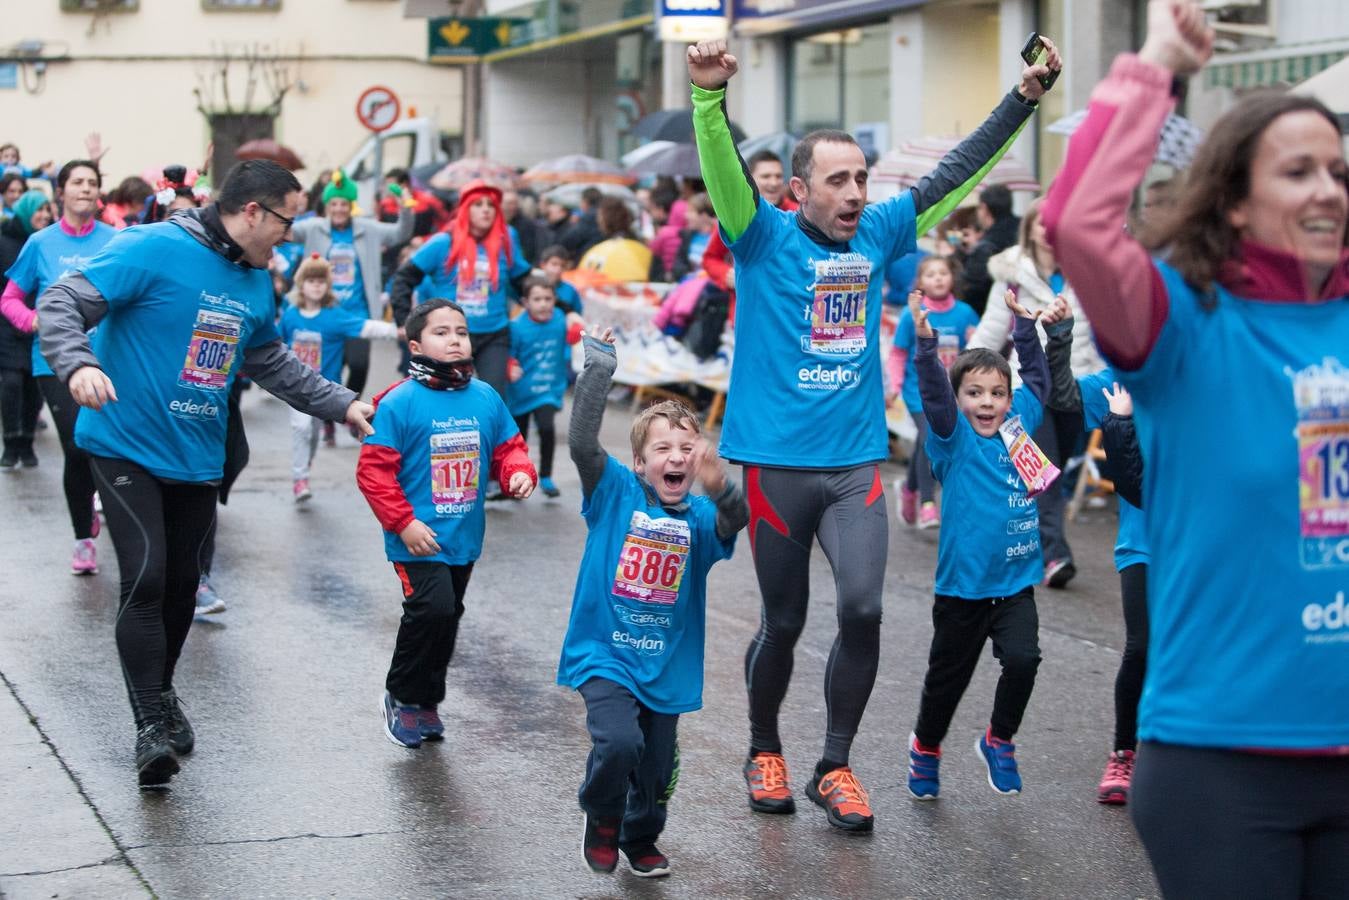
[1236, 352]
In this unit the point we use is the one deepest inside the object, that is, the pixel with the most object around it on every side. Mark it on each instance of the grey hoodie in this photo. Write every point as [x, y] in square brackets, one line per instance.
[72, 306]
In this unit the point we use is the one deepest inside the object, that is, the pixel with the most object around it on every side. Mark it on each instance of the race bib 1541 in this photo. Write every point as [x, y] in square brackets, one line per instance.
[838, 316]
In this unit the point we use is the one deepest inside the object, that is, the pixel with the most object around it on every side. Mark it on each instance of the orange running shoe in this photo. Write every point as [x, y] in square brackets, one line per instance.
[843, 798]
[766, 775]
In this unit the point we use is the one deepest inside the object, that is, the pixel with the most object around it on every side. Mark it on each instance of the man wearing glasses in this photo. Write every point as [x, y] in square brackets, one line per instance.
[182, 308]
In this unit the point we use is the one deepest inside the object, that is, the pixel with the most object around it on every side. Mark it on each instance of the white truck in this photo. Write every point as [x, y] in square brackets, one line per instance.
[408, 144]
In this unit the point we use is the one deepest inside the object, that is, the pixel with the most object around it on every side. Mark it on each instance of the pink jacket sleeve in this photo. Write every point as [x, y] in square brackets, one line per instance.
[1086, 209]
[14, 309]
[894, 369]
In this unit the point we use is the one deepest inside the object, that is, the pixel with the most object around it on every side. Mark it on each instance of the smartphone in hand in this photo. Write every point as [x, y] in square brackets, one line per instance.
[1034, 52]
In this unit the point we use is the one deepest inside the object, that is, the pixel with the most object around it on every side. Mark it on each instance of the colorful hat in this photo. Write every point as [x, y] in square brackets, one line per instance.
[340, 186]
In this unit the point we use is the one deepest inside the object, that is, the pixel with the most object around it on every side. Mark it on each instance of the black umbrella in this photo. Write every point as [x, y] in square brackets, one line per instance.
[673, 125]
[678, 160]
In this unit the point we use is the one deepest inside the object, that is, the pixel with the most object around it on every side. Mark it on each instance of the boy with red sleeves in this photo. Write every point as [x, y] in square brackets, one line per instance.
[422, 472]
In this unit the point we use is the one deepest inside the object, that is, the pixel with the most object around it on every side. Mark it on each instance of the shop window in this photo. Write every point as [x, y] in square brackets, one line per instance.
[840, 79]
[100, 6]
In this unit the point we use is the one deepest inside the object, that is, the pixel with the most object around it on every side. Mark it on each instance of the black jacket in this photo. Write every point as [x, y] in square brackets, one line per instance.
[975, 280]
[1124, 457]
[16, 348]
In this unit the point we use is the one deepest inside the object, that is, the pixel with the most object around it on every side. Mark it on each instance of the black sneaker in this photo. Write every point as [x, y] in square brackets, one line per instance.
[600, 844]
[27, 458]
[646, 861]
[1058, 572]
[9, 459]
[181, 736]
[155, 760]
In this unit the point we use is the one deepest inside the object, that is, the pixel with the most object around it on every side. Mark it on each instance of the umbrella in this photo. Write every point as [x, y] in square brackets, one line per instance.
[677, 159]
[576, 168]
[673, 125]
[266, 148]
[633, 157]
[1180, 137]
[462, 171]
[916, 159]
[782, 143]
[569, 195]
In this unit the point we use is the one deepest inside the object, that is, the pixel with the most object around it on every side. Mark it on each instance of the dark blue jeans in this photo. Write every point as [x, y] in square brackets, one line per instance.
[634, 761]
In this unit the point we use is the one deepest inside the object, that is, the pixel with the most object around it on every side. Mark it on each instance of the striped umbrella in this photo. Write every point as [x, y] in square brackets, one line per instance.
[576, 168]
[916, 159]
[1179, 139]
[462, 171]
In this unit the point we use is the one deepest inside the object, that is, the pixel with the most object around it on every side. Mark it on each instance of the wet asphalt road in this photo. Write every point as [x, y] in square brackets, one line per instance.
[294, 791]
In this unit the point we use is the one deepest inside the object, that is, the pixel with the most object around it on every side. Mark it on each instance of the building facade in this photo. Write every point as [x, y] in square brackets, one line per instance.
[161, 79]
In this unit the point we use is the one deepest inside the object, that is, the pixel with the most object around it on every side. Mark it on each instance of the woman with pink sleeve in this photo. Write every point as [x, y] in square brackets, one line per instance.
[1236, 351]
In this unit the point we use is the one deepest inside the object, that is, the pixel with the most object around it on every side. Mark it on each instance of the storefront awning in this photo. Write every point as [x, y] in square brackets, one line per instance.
[757, 17]
[1253, 73]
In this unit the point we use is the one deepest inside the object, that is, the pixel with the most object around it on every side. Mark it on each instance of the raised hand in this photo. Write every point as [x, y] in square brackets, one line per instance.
[1030, 86]
[920, 323]
[1009, 297]
[707, 466]
[1121, 404]
[1058, 311]
[1179, 37]
[710, 66]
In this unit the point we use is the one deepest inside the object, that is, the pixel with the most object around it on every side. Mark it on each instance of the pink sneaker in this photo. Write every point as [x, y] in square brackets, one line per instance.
[908, 504]
[302, 492]
[85, 560]
[929, 516]
[1119, 771]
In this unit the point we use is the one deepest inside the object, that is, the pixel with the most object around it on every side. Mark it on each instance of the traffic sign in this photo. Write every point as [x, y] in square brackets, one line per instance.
[378, 108]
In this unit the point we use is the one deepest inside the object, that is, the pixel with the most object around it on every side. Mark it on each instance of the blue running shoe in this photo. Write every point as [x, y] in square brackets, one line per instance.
[429, 725]
[400, 723]
[549, 489]
[999, 758]
[924, 771]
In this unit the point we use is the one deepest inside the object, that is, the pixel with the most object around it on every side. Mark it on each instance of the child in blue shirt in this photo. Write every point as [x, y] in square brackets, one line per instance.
[634, 644]
[538, 372]
[316, 329]
[440, 432]
[988, 558]
[553, 261]
[954, 321]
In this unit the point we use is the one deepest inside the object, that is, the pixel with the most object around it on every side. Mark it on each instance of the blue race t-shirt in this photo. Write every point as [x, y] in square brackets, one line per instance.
[1131, 543]
[348, 285]
[951, 327]
[567, 298]
[48, 255]
[806, 388]
[990, 534]
[180, 319]
[320, 340]
[446, 440]
[542, 352]
[638, 616]
[485, 307]
[1242, 413]
[900, 276]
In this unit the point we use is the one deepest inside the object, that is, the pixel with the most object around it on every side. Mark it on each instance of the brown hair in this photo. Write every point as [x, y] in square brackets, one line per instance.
[977, 359]
[672, 411]
[315, 266]
[1197, 231]
[933, 259]
[536, 281]
[614, 218]
[803, 157]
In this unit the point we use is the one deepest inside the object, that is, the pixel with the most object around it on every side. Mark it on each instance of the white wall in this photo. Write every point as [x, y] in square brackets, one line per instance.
[535, 108]
[132, 79]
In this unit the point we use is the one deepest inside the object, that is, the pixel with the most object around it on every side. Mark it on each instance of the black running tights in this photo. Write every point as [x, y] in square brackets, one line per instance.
[543, 417]
[160, 532]
[76, 477]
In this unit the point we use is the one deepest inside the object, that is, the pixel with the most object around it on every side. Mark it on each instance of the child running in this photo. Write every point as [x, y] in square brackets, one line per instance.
[440, 432]
[988, 557]
[634, 645]
[538, 371]
[316, 329]
[954, 321]
[1103, 404]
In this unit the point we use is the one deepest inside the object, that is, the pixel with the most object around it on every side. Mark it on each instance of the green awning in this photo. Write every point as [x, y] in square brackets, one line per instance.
[1266, 72]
